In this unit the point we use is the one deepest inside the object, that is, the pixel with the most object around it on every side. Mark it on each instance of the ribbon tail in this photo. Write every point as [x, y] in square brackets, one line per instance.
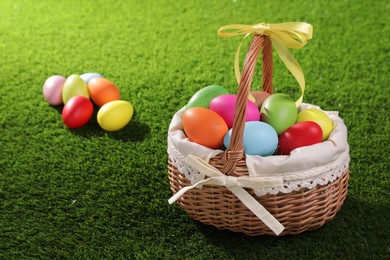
[237, 60]
[257, 209]
[291, 64]
[181, 192]
[217, 180]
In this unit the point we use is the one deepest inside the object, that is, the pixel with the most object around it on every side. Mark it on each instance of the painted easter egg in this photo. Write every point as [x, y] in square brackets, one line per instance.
[74, 86]
[115, 115]
[204, 127]
[252, 98]
[225, 106]
[90, 75]
[279, 111]
[299, 135]
[77, 112]
[259, 139]
[102, 91]
[259, 97]
[52, 89]
[318, 116]
[203, 97]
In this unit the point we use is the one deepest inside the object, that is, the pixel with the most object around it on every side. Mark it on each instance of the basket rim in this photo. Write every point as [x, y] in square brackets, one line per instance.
[292, 181]
[330, 150]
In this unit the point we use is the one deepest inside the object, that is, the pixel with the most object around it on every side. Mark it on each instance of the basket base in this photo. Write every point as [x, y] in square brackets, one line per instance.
[297, 211]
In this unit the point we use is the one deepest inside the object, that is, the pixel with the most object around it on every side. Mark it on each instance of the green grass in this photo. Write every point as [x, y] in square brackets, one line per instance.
[92, 194]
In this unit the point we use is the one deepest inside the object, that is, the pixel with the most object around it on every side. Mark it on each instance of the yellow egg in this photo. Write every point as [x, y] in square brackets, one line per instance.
[115, 115]
[319, 117]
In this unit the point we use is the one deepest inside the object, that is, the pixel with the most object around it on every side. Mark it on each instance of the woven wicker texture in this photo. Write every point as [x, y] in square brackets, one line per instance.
[297, 211]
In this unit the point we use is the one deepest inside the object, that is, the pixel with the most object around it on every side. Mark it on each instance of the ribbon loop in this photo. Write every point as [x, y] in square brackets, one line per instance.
[283, 36]
[235, 185]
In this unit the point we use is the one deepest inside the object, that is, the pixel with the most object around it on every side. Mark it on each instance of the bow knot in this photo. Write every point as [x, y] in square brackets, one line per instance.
[235, 185]
[231, 181]
[283, 36]
[261, 28]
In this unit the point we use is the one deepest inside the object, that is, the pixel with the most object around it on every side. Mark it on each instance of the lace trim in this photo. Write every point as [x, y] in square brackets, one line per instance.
[178, 160]
[291, 182]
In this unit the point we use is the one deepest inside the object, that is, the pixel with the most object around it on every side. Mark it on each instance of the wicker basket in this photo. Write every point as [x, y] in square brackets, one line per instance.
[298, 211]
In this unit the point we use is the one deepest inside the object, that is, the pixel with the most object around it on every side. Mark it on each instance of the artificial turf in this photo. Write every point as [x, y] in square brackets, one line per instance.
[91, 194]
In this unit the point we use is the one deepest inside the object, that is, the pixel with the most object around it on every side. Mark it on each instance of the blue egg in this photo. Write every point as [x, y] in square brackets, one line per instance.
[259, 138]
[88, 76]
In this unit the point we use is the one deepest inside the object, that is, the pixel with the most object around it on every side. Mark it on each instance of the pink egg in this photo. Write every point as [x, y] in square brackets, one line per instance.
[52, 89]
[224, 105]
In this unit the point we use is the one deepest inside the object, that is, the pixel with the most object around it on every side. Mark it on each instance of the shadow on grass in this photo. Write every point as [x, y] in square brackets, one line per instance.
[359, 229]
[134, 131]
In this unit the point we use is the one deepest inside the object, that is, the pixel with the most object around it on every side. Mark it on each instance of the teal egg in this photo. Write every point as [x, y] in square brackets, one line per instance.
[280, 111]
[259, 138]
[203, 97]
[90, 75]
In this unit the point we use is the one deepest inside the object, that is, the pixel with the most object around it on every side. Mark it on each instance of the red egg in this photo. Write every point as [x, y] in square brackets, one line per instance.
[204, 127]
[77, 112]
[299, 135]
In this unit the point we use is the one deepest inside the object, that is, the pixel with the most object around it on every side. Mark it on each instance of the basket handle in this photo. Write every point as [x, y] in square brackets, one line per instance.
[236, 150]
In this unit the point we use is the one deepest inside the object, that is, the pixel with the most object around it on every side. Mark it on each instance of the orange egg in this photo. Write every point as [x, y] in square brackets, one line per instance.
[204, 127]
[102, 91]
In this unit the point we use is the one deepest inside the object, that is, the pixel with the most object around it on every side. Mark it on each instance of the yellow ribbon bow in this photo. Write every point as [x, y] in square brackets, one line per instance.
[283, 36]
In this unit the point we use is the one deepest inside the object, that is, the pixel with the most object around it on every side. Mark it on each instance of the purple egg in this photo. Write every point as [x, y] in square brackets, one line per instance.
[224, 105]
[52, 89]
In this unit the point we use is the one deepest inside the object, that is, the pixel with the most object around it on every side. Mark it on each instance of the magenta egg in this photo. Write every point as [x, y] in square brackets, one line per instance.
[299, 135]
[77, 112]
[224, 106]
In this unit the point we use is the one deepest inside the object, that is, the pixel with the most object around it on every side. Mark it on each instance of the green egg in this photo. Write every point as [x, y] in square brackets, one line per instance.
[280, 111]
[203, 97]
